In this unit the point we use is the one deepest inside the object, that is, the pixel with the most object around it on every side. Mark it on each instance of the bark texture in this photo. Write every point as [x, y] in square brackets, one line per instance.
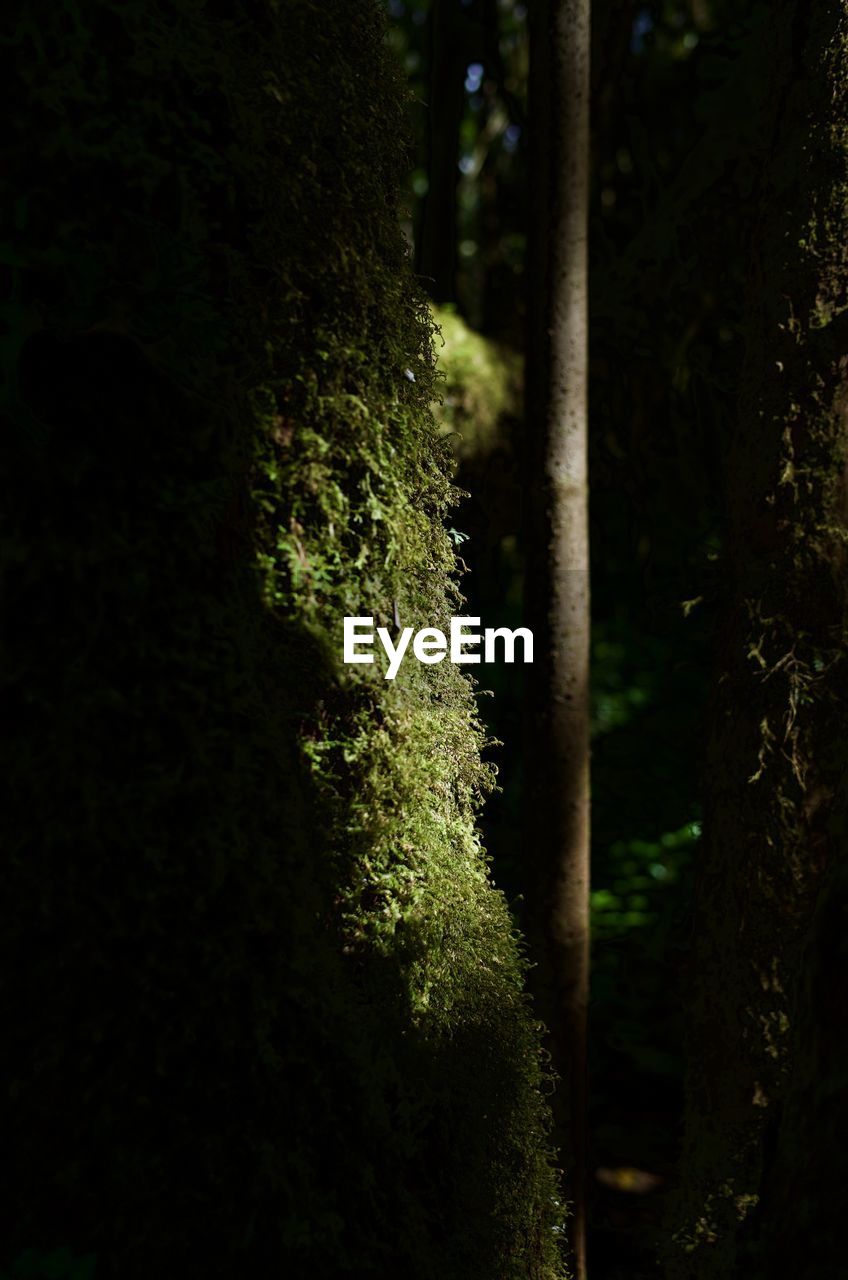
[558, 571]
[803, 1227]
[774, 795]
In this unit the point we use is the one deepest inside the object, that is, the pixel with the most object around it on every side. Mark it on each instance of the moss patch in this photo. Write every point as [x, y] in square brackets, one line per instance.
[482, 387]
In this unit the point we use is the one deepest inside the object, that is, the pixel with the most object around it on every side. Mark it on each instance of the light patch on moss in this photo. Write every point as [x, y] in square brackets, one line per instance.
[482, 385]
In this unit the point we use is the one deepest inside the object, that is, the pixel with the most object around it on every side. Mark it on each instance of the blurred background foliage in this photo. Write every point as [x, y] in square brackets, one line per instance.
[675, 140]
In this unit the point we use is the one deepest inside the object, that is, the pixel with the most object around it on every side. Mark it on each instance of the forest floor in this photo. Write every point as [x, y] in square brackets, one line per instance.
[633, 1170]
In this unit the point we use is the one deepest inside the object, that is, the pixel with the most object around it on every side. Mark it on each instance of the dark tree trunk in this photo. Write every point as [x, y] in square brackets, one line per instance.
[802, 1228]
[774, 764]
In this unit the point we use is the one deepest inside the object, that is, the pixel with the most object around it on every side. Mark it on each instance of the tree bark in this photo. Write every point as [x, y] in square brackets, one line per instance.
[558, 565]
[803, 1228]
[774, 778]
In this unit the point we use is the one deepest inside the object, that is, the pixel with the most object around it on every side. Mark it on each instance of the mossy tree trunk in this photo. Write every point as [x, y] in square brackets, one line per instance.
[263, 1008]
[558, 568]
[775, 769]
[803, 1227]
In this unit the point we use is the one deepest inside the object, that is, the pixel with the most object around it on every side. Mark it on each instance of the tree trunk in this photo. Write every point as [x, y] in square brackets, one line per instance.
[263, 1012]
[558, 564]
[803, 1227]
[774, 762]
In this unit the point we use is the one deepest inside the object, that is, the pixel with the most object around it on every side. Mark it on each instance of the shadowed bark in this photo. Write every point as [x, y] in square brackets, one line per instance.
[774, 780]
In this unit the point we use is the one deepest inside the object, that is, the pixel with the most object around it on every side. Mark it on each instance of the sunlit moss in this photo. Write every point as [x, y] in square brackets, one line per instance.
[481, 387]
[353, 483]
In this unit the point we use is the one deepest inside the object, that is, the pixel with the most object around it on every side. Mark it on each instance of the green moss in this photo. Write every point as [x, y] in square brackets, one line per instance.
[482, 386]
[267, 1007]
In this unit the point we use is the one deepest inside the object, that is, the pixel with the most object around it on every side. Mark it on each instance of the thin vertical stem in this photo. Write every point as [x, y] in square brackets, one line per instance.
[558, 578]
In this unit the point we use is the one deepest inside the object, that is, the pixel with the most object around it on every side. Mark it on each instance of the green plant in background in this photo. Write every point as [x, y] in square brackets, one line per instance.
[642, 877]
[644, 870]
